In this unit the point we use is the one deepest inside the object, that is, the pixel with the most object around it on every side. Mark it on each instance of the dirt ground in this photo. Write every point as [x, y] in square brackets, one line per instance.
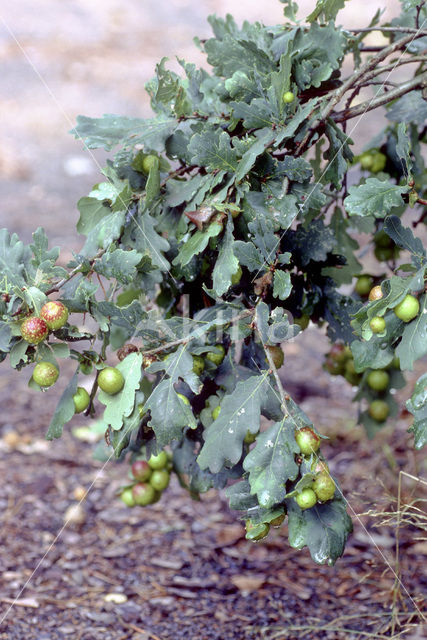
[181, 568]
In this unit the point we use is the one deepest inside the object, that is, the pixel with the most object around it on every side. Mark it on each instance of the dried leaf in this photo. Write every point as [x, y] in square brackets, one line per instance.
[261, 284]
[246, 583]
[201, 216]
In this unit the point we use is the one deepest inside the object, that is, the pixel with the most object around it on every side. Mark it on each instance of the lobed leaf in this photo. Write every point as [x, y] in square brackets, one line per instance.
[324, 529]
[413, 344]
[375, 197]
[271, 463]
[240, 411]
[121, 405]
[111, 130]
[64, 410]
[417, 405]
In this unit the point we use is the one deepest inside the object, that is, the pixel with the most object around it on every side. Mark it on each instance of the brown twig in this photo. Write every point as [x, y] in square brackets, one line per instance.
[417, 17]
[390, 30]
[72, 273]
[347, 114]
[338, 94]
[282, 392]
[394, 65]
[175, 343]
[178, 172]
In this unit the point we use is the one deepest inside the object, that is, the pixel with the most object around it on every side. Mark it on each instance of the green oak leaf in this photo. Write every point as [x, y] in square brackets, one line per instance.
[240, 496]
[328, 9]
[345, 246]
[106, 231]
[375, 197]
[314, 242]
[226, 264]
[128, 317]
[230, 55]
[18, 354]
[413, 344]
[111, 130]
[258, 147]
[152, 188]
[169, 414]
[296, 169]
[144, 237]
[212, 149]
[409, 108]
[405, 239]
[179, 191]
[302, 116]
[44, 259]
[256, 115]
[120, 405]
[338, 154]
[241, 499]
[240, 411]
[271, 463]
[178, 365]
[403, 147]
[196, 243]
[119, 264]
[15, 261]
[248, 255]
[64, 410]
[282, 285]
[196, 480]
[5, 336]
[417, 405]
[324, 529]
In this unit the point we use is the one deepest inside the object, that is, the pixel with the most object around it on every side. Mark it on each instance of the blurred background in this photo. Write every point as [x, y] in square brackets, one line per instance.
[80, 57]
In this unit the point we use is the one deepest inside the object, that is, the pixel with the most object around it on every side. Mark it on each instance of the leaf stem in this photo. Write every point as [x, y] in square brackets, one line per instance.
[283, 395]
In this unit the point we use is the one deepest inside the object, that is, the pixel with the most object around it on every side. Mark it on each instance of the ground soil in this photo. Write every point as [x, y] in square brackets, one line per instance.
[182, 567]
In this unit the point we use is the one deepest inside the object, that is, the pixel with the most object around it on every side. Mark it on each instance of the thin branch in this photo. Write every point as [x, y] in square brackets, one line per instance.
[178, 172]
[175, 343]
[368, 66]
[350, 82]
[92, 394]
[420, 220]
[283, 395]
[381, 83]
[417, 18]
[346, 114]
[72, 273]
[395, 65]
[390, 29]
[64, 280]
